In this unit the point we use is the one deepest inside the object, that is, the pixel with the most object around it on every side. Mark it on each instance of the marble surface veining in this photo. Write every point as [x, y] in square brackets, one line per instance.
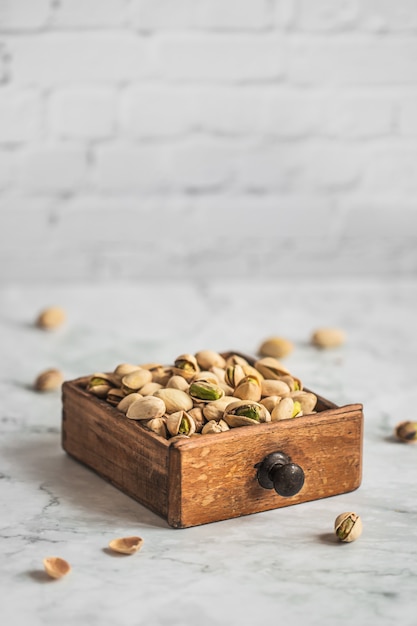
[283, 566]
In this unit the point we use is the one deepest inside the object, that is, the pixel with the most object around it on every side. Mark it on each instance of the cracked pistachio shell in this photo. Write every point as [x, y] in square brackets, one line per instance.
[233, 375]
[114, 396]
[125, 403]
[215, 410]
[278, 347]
[284, 410]
[99, 384]
[249, 388]
[306, 399]
[186, 365]
[126, 545]
[274, 388]
[245, 413]
[158, 426]
[146, 408]
[213, 427]
[271, 368]
[406, 432]
[207, 376]
[209, 358]
[252, 371]
[49, 380]
[149, 389]
[293, 383]
[177, 382]
[205, 391]
[348, 527]
[175, 400]
[270, 402]
[328, 337]
[135, 380]
[56, 567]
[180, 423]
[199, 420]
[235, 359]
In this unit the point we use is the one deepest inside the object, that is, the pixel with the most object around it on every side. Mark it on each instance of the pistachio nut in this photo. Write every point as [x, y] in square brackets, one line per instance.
[149, 388]
[180, 423]
[146, 408]
[56, 567]
[175, 400]
[135, 380]
[235, 359]
[51, 318]
[126, 545]
[215, 410]
[293, 383]
[124, 368]
[186, 365]
[178, 382]
[245, 413]
[228, 391]
[125, 402]
[207, 376]
[219, 372]
[278, 347]
[114, 396]
[49, 380]
[284, 410]
[215, 427]
[160, 374]
[199, 420]
[270, 402]
[209, 358]
[99, 385]
[149, 366]
[328, 337]
[348, 527]
[205, 391]
[233, 375]
[406, 432]
[179, 437]
[158, 426]
[252, 371]
[249, 388]
[306, 399]
[271, 368]
[274, 388]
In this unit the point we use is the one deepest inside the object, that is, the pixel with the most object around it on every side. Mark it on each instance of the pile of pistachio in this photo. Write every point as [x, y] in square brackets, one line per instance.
[203, 393]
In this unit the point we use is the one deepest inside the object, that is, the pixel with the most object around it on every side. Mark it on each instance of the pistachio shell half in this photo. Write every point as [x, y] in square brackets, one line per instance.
[126, 545]
[56, 567]
[146, 408]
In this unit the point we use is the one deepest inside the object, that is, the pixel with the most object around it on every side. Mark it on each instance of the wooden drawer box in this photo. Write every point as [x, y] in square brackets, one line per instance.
[213, 477]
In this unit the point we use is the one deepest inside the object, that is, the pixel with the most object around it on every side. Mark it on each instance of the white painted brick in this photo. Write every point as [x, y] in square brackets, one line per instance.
[354, 62]
[56, 58]
[89, 13]
[408, 115]
[123, 168]
[379, 218]
[202, 164]
[20, 115]
[51, 169]
[284, 13]
[389, 15]
[392, 171]
[265, 167]
[23, 14]
[326, 15]
[221, 57]
[292, 116]
[358, 116]
[83, 112]
[5, 168]
[229, 111]
[329, 167]
[158, 110]
[204, 14]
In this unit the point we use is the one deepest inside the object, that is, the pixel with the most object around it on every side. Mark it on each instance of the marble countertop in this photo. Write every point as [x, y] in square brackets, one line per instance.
[284, 565]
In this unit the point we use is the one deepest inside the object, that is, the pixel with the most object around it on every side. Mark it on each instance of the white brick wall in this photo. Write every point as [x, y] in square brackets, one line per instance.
[190, 138]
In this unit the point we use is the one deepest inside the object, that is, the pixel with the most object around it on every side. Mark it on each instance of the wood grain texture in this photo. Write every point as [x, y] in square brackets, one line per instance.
[213, 477]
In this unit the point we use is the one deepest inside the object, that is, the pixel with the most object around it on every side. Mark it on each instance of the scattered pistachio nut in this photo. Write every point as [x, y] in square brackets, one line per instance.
[56, 567]
[278, 347]
[49, 380]
[406, 432]
[51, 318]
[328, 337]
[126, 545]
[348, 527]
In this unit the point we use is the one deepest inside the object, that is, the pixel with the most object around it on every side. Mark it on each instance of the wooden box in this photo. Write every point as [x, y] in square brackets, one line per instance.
[213, 477]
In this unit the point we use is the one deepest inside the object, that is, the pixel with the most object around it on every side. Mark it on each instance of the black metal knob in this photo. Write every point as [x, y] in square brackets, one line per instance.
[278, 472]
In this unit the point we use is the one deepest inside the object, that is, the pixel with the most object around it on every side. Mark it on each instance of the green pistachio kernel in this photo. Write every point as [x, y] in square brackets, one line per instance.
[296, 409]
[185, 365]
[205, 391]
[252, 412]
[184, 427]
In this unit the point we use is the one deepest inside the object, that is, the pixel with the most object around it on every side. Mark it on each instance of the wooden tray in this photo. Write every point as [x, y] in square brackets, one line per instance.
[213, 477]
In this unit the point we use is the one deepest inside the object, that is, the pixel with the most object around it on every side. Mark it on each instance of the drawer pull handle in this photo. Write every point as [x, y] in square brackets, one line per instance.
[278, 472]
